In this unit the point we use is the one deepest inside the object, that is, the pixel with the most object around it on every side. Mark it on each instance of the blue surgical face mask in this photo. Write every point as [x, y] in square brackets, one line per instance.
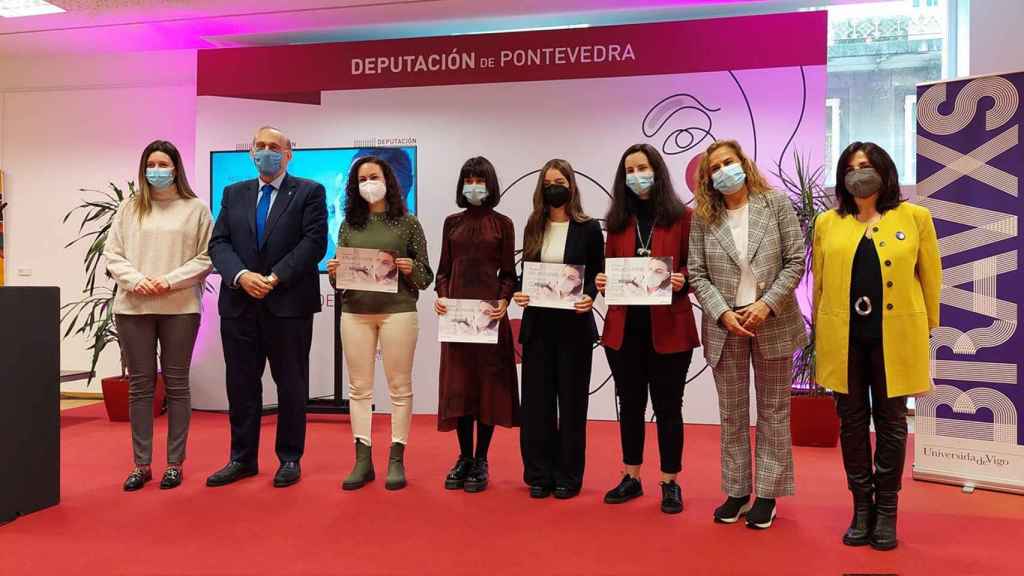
[475, 193]
[267, 161]
[728, 179]
[640, 182]
[160, 178]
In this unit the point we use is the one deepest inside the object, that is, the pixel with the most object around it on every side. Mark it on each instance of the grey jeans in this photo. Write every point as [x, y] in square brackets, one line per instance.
[139, 335]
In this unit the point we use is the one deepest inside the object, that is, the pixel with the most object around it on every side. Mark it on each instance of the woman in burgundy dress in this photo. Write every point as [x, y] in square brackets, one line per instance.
[478, 382]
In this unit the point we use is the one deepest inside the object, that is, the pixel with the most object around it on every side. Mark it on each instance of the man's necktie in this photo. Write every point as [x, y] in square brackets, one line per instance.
[262, 211]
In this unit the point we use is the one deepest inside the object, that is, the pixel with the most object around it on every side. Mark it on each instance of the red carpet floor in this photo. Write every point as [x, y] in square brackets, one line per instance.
[315, 528]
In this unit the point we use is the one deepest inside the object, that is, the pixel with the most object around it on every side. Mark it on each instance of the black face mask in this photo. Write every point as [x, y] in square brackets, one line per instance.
[556, 195]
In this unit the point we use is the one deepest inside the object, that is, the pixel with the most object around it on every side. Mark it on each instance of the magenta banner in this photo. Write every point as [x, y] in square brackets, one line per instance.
[300, 73]
[969, 166]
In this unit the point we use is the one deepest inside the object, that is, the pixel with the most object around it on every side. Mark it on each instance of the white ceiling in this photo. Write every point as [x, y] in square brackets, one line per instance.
[97, 26]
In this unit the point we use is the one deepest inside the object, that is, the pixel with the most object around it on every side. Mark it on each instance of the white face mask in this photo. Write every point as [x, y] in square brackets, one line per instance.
[568, 284]
[655, 277]
[373, 190]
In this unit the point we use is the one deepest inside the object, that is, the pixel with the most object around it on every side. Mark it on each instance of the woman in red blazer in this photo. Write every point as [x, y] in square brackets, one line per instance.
[649, 347]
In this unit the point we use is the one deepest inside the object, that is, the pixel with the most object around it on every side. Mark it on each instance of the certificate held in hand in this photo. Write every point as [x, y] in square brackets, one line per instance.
[638, 281]
[553, 285]
[469, 321]
[367, 269]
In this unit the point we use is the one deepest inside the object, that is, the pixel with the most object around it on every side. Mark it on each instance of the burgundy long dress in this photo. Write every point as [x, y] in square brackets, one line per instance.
[478, 262]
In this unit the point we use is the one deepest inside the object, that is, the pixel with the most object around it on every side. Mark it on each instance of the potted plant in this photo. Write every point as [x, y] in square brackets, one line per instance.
[813, 417]
[92, 317]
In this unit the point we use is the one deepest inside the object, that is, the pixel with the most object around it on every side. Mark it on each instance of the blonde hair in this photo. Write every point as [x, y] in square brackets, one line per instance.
[711, 202]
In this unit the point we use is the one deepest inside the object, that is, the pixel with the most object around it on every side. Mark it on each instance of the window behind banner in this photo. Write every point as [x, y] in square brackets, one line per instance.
[877, 53]
[328, 166]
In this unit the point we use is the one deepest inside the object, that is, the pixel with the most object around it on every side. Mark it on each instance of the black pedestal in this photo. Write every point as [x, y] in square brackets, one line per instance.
[337, 403]
[29, 400]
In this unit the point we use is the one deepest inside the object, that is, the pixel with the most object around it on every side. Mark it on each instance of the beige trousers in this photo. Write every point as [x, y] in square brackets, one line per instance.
[396, 335]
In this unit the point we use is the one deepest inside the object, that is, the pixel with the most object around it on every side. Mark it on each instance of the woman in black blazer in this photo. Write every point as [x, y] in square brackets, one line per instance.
[558, 344]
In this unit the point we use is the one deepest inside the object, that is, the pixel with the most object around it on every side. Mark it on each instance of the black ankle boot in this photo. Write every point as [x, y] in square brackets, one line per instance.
[859, 532]
[884, 535]
[478, 476]
[456, 478]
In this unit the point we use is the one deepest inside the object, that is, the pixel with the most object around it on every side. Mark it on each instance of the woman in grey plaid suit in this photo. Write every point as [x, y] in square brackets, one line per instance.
[746, 259]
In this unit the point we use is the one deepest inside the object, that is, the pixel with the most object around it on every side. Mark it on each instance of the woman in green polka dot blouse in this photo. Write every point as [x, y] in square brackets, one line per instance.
[376, 217]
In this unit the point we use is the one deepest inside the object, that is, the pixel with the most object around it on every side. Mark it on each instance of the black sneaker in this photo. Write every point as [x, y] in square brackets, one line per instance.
[456, 478]
[671, 497]
[732, 509]
[627, 489]
[762, 514]
[477, 479]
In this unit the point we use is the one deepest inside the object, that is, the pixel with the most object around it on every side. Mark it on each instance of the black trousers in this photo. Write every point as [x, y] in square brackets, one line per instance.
[250, 341]
[555, 396]
[867, 398]
[637, 369]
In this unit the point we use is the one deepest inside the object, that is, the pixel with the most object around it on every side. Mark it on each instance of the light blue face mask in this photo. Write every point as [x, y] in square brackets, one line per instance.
[267, 161]
[729, 179]
[640, 182]
[160, 178]
[475, 193]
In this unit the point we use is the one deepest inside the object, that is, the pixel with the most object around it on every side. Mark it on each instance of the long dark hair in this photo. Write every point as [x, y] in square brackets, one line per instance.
[479, 167]
[888, 197]
[533, 235]
[357, 210]
[666, 204]
[144, 199]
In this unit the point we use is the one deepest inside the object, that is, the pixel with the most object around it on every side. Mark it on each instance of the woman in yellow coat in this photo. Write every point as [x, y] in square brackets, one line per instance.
[877, 274]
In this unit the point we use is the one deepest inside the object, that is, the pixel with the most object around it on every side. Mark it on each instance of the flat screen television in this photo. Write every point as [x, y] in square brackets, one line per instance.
[328, 166]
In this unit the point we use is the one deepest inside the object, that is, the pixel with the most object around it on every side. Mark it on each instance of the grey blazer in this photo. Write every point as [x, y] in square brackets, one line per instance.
[777, 257]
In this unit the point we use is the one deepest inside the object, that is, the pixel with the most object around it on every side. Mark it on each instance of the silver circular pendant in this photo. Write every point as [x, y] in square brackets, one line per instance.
[862, 306]
[643, 252]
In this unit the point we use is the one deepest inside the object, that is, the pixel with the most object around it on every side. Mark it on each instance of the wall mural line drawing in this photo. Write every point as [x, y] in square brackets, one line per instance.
[679, 114]
[679, 125]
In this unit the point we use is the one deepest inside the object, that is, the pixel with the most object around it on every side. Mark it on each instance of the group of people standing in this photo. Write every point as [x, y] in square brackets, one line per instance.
[741, 252]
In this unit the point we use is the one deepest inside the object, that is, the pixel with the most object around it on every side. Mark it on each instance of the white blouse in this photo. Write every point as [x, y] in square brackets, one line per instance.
[553, 250]
[739, 225]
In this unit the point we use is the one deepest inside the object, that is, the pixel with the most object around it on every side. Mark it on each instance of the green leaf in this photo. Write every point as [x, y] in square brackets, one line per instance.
[92, 316]
[804, 184]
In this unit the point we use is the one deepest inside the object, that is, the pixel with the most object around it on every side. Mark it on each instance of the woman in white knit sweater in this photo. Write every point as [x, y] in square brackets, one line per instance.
[157, 252]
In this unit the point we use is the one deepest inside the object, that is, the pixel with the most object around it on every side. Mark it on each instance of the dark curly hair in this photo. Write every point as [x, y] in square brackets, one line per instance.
[357, 210]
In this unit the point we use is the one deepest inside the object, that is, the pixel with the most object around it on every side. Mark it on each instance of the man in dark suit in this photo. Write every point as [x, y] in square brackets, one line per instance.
[269, 237]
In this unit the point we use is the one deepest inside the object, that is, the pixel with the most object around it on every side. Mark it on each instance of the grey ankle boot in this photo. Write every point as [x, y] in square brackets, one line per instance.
[362, 471]
[396, 467]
